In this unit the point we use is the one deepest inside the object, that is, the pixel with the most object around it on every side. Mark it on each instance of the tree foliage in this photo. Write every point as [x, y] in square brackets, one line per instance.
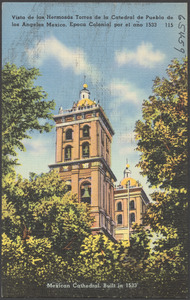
[43, 228]
[26, 266]
[162, 137]
[162, 140]
[100, 260]
[42, 207]
[23, 108]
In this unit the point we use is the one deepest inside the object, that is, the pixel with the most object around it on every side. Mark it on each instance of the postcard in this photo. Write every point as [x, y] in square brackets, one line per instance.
[94, 150]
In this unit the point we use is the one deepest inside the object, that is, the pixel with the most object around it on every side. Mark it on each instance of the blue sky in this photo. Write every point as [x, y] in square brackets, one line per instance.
[120, 64]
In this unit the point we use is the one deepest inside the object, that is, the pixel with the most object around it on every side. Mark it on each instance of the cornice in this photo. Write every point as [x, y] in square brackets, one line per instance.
[87, 160]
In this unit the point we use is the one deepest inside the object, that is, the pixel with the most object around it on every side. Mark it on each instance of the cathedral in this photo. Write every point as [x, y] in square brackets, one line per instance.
[83, 160]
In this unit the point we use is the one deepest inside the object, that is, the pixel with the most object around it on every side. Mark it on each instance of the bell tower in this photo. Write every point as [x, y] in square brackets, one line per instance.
[130, 205]
[83, 158]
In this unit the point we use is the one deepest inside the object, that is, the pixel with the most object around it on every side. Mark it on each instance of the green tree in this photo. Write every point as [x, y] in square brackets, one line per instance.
[42, 207]
[103, 261]
[162, 140]
[162, 137]
[27, 267]
[43, 228]
[140, 244]
[100, 260]
[23, 108]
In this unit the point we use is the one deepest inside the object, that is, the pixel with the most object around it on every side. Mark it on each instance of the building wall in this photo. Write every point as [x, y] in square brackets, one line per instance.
[136, 206]
[99, 141]
[102, 200]
[79, 170]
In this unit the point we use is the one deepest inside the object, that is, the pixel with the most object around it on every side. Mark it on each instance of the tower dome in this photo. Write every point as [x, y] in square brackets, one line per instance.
[127, 178]
[132, 181]
[85, 97]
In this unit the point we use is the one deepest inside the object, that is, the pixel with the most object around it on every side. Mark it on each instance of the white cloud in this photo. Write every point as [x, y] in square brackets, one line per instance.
[144, 55]
[125, 91]
[37, 147]
[68, 58]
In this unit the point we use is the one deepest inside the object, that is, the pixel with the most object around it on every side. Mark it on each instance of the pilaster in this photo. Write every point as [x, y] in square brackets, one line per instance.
[59, 142]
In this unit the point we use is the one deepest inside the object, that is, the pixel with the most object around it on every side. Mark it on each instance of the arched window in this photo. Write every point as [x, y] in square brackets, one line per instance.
[85, 150]
[119, 219]
[132, 217]
[69, 134]
[119, 206]
[68, 153]
[132, 204]
[86, 131]
[86, 192]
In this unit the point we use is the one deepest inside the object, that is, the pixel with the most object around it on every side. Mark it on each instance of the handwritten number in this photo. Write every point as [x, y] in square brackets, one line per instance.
[180, 26]
[180, 50]
[181, 17]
